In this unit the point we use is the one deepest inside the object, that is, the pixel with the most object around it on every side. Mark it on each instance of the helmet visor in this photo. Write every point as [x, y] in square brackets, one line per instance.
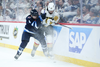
[34, 17]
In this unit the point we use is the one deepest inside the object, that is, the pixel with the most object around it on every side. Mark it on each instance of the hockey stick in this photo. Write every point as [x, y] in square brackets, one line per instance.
[64, 26]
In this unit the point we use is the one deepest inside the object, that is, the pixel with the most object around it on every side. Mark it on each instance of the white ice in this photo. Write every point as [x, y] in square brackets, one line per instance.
[25, 60]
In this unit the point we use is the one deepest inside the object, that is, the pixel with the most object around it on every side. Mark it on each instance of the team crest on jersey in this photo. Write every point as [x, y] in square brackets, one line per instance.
[29, 17]
[78, 38]
[15, 32]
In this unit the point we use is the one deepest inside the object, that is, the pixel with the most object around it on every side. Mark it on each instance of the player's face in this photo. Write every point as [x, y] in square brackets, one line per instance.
[51, 12]
[34, 17]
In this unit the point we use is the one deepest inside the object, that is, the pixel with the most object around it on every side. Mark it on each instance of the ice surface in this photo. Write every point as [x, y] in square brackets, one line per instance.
[25, 60]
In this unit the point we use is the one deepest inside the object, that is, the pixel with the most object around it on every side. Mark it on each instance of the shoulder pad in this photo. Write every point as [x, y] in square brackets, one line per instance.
[28, 17]
[42, 11]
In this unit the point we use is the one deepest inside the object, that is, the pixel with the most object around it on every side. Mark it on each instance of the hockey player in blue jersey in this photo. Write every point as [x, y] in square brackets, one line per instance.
[52, 17]
[33, 23]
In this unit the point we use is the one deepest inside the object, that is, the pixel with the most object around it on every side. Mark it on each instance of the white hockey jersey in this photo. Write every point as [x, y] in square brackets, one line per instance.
[51, 19]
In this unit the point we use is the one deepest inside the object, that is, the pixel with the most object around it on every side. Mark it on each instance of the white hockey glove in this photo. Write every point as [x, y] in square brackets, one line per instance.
[50, 22]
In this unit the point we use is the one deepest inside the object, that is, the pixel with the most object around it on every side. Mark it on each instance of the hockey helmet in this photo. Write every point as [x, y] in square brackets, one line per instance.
[34, 12]
[51, 6]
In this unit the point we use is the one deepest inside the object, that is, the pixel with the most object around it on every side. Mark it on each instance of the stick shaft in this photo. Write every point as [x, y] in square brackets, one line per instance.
[64, 26]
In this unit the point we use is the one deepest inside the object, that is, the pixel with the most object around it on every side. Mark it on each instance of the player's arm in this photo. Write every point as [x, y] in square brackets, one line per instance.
[28, 21]
[54, 20]
[43, 14]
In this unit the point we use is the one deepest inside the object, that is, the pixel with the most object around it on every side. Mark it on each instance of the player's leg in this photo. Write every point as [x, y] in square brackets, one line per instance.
[41, 39]
[43, 45]
[35, 46]
[25, 40]
[36, 41]
[49, 44]
[21, 48]
[49, 39]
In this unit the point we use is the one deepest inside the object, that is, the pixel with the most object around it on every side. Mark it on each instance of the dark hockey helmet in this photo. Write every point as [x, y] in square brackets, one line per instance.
[34, 12]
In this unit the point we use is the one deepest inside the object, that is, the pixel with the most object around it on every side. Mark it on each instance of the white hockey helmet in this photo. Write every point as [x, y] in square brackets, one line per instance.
[51, 6]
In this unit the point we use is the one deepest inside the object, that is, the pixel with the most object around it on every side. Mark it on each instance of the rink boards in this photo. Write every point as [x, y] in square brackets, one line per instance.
[80, 45]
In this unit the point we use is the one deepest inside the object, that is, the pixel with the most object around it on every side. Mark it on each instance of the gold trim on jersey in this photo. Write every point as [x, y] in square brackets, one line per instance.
[47, 19]
[56, 18]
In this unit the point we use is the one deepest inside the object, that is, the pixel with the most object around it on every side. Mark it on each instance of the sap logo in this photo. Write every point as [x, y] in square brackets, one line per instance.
[56, 31]
[78, 38]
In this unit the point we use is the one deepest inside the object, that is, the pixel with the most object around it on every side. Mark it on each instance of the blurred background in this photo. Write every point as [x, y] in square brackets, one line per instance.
[70, 11]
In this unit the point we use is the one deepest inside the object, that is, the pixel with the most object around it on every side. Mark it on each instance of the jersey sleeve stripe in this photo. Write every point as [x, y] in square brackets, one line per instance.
[40, 18]
[25, 30]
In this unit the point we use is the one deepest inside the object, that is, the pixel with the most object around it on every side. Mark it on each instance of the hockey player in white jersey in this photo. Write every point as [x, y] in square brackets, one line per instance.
[52, 17]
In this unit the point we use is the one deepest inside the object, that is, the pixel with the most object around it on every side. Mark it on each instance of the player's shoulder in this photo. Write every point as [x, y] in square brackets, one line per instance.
[56, 13]
[43, 10]
[28, 17]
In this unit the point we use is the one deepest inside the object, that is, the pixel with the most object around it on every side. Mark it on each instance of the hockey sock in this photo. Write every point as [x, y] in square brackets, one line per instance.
[19, 52]
[35, 46]
[49, 45]
[45, 52]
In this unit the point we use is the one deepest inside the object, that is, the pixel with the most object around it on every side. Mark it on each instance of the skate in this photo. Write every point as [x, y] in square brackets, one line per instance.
[51, 56]
[16, 56]
[19, 52]
[33, 53]
[45, 52]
